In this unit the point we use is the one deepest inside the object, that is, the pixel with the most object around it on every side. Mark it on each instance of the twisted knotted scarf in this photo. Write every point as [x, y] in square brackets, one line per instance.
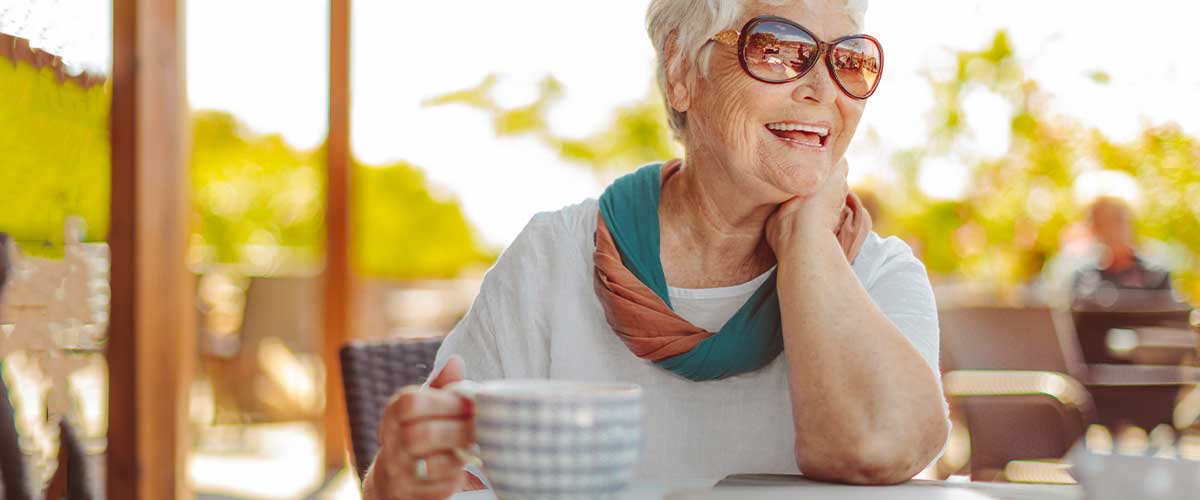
[631, 286]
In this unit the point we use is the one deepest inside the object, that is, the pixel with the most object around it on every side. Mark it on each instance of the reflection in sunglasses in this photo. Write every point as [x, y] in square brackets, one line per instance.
[776, 50]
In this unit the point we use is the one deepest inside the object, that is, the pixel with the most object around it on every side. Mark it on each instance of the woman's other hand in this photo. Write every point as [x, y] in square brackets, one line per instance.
[803, 216]
[424, 424]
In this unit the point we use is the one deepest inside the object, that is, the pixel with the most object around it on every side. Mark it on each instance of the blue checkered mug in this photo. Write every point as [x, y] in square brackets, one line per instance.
[552, 439]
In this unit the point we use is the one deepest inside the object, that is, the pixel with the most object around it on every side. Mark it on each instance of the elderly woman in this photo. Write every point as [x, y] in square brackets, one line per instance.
[741, 287]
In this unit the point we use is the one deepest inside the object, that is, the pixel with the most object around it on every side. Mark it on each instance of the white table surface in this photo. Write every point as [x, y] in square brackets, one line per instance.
[794, 487]
[639, 490]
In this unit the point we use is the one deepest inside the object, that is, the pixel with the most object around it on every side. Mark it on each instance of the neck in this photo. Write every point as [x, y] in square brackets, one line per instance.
[1120, 258]
[712, 227]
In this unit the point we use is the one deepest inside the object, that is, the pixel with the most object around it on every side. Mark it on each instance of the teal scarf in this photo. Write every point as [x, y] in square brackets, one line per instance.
[750, 340]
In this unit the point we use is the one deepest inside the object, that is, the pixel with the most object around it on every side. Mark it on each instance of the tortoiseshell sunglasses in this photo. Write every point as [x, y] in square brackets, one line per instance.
[773, 49]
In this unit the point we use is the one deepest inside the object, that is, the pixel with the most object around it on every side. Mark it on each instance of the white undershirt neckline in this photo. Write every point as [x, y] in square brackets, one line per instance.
[723, 292]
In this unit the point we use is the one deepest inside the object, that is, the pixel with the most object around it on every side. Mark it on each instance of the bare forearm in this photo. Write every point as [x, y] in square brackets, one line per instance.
[865, 403]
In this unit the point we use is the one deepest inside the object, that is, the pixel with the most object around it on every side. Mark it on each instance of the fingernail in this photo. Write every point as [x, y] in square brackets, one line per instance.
[468, 408]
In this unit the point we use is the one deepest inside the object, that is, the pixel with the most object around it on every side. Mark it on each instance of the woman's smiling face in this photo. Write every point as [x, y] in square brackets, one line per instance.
[788, 135]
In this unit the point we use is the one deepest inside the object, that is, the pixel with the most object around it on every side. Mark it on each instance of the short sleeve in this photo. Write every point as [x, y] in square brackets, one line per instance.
[902, 292]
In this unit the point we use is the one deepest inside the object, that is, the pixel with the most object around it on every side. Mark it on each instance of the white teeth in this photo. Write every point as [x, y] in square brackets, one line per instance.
[821, 131]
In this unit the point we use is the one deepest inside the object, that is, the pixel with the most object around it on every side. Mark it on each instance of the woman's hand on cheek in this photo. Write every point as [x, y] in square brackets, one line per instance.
[820, 213]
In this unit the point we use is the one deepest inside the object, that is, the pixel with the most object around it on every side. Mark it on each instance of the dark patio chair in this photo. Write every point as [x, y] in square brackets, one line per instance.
[1015, 378]
[1100, 336]
[276, 308]
[1145, 334]
[1009, 338]
[371, 373]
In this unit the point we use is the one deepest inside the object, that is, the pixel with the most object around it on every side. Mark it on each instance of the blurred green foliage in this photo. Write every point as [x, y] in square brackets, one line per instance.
[259, 205]
[254, 196]
[257, 201]
[404, 229]
[54, 156]
[636, 135]
[1011, 218]
[1014, 212]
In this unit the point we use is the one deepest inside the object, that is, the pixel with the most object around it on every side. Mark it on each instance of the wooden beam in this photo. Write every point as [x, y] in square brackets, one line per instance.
[338, 282]
[151, 345]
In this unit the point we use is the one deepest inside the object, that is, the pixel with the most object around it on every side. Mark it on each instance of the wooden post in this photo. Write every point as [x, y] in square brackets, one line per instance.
[151, 345]
[338, 282]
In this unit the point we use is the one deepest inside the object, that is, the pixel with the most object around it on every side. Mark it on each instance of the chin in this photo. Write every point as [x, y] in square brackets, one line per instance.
[796, 178]
[795, 171]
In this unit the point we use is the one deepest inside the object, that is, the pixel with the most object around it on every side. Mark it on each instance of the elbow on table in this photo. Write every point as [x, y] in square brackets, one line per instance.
[861, 465]
[867, 462]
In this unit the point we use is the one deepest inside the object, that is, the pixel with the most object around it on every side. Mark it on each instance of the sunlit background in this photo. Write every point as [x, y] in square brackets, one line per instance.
[996, 124]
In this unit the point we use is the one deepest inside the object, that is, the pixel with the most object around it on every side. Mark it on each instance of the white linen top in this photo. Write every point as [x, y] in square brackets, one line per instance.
[537, 316]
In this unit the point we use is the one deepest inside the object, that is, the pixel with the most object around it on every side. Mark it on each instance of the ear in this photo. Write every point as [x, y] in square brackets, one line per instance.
[677, 77]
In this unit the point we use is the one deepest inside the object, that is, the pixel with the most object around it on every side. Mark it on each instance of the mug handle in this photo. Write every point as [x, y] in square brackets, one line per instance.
[466, 389]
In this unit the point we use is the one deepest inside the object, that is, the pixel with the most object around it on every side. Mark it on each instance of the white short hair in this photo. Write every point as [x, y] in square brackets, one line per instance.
[695, 21]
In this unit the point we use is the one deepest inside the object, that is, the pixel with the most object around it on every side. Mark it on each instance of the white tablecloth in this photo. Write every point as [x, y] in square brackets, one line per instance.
[641, 490]
[790, 487]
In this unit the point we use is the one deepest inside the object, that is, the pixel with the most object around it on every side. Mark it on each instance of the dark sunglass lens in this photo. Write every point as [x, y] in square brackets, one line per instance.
[857, 64]
[777, 51]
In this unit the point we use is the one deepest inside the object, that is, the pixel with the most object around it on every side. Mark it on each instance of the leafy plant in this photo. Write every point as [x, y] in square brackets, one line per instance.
[54, 156]
[637, 134]
[257, 201]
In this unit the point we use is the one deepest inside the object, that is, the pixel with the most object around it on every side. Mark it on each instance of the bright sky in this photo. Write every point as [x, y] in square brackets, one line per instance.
[78, 31]
[264, 60]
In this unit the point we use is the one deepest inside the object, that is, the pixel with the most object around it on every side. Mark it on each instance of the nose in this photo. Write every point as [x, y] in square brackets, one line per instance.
[817, 86]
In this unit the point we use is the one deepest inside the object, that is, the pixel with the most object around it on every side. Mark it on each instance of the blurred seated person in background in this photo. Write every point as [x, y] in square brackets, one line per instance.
[1116, 265]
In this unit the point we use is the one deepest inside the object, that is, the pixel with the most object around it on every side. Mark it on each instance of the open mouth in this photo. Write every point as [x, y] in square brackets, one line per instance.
[813, 136]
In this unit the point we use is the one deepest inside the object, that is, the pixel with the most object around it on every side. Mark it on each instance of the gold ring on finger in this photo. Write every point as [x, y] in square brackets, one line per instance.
[421, 469]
